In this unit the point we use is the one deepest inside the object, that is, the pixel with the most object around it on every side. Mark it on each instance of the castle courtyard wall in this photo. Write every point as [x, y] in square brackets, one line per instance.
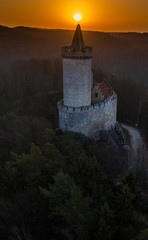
[88, 120]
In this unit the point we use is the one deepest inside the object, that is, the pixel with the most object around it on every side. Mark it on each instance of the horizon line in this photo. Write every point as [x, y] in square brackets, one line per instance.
[70, 29]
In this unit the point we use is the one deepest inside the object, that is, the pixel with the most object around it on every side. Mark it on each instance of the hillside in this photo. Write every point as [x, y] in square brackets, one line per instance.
[122, 54]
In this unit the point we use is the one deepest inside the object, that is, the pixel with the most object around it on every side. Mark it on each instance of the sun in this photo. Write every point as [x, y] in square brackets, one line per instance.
[77, 17]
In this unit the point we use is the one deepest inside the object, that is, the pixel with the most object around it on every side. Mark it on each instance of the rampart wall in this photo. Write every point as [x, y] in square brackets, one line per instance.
[90, 119]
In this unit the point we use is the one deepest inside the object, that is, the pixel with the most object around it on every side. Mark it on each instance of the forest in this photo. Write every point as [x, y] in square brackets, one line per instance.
[54, 185]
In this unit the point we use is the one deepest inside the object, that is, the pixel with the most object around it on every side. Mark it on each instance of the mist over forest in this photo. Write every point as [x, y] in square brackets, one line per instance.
[122, 54]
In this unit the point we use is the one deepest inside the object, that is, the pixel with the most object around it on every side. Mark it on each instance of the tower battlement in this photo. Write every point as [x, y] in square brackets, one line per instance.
[70, 52]
[101, 104]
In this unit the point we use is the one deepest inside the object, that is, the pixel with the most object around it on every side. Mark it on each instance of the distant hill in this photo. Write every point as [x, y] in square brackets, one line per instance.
[122, 54]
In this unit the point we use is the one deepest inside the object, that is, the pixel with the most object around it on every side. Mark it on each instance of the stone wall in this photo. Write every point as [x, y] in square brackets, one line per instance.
[100, 96]
[88, 120]
[77, 82]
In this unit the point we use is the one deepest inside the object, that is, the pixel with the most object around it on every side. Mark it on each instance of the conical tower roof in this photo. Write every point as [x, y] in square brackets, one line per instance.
[78, 42]
[77, 50]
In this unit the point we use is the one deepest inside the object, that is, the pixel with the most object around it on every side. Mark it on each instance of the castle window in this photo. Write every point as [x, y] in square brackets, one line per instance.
[96, 95]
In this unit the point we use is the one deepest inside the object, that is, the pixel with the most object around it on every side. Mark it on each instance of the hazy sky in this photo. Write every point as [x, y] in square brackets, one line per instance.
[102, 15]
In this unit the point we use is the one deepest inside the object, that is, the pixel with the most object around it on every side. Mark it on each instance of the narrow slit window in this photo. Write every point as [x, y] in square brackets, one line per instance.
[96, 95]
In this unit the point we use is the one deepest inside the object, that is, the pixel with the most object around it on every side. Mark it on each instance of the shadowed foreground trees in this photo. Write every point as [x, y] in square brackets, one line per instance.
[60, 191]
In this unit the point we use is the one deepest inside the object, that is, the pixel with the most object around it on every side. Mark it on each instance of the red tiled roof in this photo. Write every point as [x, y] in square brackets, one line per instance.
[105, 89]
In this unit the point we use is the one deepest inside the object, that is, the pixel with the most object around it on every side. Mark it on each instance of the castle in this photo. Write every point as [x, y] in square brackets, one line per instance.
[85, 108]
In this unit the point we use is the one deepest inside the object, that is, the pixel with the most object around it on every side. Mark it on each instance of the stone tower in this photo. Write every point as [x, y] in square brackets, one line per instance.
[77, 76]
[85, 108]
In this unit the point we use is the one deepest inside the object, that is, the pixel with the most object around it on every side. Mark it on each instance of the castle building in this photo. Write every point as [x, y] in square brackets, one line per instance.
[86, 108]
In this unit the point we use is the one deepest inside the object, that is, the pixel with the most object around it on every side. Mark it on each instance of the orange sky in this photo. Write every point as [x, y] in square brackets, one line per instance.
[102, 15]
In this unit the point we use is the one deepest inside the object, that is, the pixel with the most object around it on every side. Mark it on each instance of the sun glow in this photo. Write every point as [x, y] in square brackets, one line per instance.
[77, 17]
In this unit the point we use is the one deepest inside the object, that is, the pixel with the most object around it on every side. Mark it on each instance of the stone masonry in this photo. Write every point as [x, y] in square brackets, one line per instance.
[85, 108]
